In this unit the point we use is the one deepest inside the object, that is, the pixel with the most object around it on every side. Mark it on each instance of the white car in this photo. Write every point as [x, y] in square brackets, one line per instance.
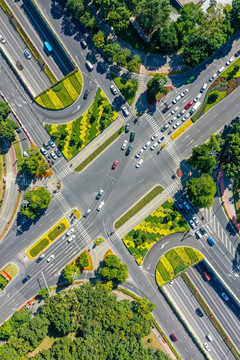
[53, 155]
[139, 164]
[174, 110]
[198, 235]
[25, 154]
[192, 224]
[27, 54]
[207, 347]
[51, 257]
[195, 220]
[213, 77]
[124, 145]
[161, 139]
[146, 145]
[2, 39]
[154, 136]
[225, 296]
[230, 61]
[125, 111]
[113, 90]
[195, 99]
[172, 120]
[139, 153]
[71, 238]
[70, 232]
[100, 205]
[153, 146]
[176, 99]
[184, 92]
[184, 118]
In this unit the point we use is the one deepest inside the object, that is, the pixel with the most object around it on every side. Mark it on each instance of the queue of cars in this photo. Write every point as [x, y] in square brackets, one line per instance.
[54, 154]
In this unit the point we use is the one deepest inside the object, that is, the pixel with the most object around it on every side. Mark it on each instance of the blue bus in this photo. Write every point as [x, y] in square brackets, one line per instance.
[48, 47]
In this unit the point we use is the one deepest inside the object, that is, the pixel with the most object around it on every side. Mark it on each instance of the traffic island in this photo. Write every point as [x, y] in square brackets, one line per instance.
[7, 274]
[48, 238]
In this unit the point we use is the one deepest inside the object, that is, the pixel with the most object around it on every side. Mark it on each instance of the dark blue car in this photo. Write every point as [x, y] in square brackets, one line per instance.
[210, 241]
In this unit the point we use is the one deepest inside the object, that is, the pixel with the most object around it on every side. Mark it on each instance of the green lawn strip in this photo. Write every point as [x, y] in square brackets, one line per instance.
[2, 160]
[50, 75]
[98, 241]
[154, 322]
[221, 95]
[39, 247]
[99, 150]
[143, 202]
[121, 84]
[17, 148]
[75, 83]
[229, 72]
[58, 230]
[63, 95]
[11, 270]
[208, 312]
[47, 101]
[162, 271]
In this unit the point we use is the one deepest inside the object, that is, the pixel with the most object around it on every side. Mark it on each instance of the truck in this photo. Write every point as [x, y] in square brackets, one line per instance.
[195, 107]
[48, 47]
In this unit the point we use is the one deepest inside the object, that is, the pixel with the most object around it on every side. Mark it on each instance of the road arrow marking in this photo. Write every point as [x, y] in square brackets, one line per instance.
[164, 244]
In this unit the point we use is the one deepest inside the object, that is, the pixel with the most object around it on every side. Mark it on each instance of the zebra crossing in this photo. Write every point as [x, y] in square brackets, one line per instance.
[79, 227]
[174, 155]
[174, 187]
[141, 79]
[152, 122]
[64, 173]
[63, 203]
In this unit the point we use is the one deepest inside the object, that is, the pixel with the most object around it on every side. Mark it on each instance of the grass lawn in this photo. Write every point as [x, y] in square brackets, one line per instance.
[45, 345]
[11, 270]
[155, 344]
[17, 148]
[208, 312]
[57, 231]
[163, 221]
[99, 150]
[143, 202]
[1, 173]
[99, 241]
[221, 95]
[122, 86]
[175, 261]
[37, 248]
[230, 71]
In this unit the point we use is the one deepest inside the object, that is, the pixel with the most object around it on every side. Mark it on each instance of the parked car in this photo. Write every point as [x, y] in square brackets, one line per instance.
[174, 110]
[85, 94]
[113, 90]
[139, 163]
[189, 104]
[42, 256]
[172, 120]
[230, 61]
[25, 154]
[87, 213]
[99, 194]
[100, 205]
[210, 241]
[51, 257]
[114, 165]
[124, 145]
[184, 92]
[176, 99]
[181, 113]
[27, 54]
[213, 77]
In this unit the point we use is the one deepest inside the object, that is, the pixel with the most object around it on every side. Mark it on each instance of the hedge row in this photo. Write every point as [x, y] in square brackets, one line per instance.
[39, 247]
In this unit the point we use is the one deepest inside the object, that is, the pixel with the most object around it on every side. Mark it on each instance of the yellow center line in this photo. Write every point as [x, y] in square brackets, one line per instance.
[144, 213]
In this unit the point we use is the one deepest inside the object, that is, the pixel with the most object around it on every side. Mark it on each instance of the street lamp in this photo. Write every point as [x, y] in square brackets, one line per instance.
[46, 283]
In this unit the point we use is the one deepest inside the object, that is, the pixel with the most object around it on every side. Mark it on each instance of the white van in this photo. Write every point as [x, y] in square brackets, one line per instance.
[89, 65]
[203, 88]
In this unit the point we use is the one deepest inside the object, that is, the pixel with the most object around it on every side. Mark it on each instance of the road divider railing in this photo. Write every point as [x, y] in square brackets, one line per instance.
[47, 239]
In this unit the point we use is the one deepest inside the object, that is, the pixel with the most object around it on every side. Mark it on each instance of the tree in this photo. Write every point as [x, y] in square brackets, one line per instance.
[114, 270]
[144, 307]
[120, 59]
[36, 201]
[76, 8]
[213, 97]
[30, 165]
[82, 261]
[99, 39]
[44, 292]
[201, 191]
[167, 39]
[3, 282]
[154, 87]
[133, 65]
[235, 14]
[4, 111]
[202, 158]
[7, 128]
[216, 142]
[6, 330]
[71, 272]
[119, 19]
[232, 154]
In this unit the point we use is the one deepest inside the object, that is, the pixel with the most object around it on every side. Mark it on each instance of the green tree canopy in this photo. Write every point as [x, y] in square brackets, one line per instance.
[201, 191]
[71, 272]
[82, 261]
[235, 14]
[36, 201]
[213, 97]
[114, 270]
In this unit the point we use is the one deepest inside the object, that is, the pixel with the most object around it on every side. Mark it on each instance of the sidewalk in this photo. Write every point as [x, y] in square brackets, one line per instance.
[226, 188]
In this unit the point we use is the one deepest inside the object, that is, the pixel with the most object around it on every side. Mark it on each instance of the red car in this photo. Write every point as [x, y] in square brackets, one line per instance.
[188, 105]
[173, 338]
[114, 164]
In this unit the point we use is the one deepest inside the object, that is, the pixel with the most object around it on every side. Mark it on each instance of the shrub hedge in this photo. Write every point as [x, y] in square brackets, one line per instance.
[57, 231]
[39, 247]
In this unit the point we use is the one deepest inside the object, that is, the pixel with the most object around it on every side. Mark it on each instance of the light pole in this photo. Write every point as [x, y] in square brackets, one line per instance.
[46, 283]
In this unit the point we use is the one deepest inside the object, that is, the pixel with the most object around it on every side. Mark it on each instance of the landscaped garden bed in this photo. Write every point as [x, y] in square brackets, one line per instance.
[128, 88]
[174, 262]
[163, 221]
[75, 135]
[7, 274]
[63, 93]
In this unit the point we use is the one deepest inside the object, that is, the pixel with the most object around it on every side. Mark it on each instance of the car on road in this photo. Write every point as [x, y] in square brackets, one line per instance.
[26, 279]
[153, 146]
[45, 144]
[225, 296]
[180, 206]
[173, 338]
[42, 256]
[181, 113]
[58, 153]
[203, 231]
[27, 54]
[99, 194]
[2, 39]
[85, 94]
[186, 205]
[213, 77]
[132, 136]
[114, 165]
[161, 139]
[125, 111]
[164, 128]
[124, 145]
[53, 155]
[70, 232]
[51, 257]
[198, 235]
[166, 108]
[43, 151]
[220, 70]
[189, 104]
[195, 99]
[207, 347]
[209, 337]
[206, 275]
[51, 143]
[71, 238]
[139, 153]
[139, 163]
[177, 124]
[100, 205]
[184, 92]
[199, 312]
[195, 220]
[146, 145]
[174, 110]
[172, 120]
[184, 118]
[83, 43]
[126, 128]
[192, 224]
[154, 136]
[87, 213]
[128, 150]
[237, 53]
[210, 241]
[176, 99]
[25, 154]
[190, 79]
[230, 61]
[113, 90]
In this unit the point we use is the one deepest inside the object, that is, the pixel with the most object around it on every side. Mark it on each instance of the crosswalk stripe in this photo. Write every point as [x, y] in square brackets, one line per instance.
[59, 197]
[64, 173]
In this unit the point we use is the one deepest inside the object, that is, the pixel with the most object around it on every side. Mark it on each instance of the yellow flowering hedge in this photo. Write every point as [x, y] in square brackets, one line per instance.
[181, 129]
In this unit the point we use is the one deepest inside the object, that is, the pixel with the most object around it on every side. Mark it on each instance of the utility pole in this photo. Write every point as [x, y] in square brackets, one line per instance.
[46, 283]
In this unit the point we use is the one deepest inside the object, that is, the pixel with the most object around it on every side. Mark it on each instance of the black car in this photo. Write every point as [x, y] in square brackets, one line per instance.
[128, 150]
[166, 109]
[18, 130]
[26, 279]
[164, 128]
[86, 94]
[173, 177]
[199, 312]
[132, 136]
[203, 231]
[83, 43]
[126, 128]
[237, 53]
